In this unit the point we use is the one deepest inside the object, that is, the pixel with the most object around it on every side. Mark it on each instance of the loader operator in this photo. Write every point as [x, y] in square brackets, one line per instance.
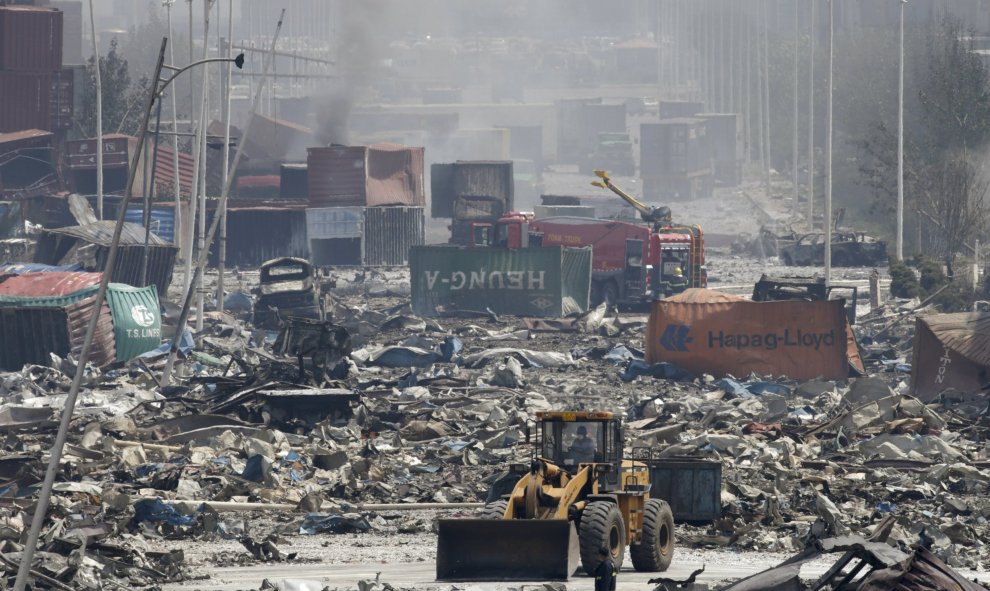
[583, 446]
[605, 574]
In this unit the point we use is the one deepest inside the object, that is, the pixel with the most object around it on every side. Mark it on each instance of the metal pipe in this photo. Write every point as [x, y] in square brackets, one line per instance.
[44, 496]
[184, 314]
[99, 117]
[235, 507]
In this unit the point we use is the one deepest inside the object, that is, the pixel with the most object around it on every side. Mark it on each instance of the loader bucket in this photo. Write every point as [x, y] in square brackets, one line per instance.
[506, 550]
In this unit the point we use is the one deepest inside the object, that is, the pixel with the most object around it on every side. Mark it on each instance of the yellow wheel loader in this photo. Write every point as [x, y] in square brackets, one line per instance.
[577, 495]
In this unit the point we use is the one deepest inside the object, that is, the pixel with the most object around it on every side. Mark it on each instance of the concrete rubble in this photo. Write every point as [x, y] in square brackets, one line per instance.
[432, 411]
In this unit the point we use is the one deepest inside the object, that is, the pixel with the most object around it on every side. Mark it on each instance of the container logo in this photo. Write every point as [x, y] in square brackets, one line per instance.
[142, 316]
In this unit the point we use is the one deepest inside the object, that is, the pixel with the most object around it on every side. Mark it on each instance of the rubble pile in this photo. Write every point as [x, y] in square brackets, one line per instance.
[412, 410]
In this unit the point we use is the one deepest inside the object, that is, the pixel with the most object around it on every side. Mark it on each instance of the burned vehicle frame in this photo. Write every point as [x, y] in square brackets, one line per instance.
[849, 249]
[772, 288]
[288, 289]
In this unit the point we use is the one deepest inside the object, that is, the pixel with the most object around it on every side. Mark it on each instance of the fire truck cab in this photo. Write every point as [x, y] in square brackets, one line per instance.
[631, 263]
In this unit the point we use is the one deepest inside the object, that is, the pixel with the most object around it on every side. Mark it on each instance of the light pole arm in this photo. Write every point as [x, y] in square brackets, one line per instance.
[238, 61]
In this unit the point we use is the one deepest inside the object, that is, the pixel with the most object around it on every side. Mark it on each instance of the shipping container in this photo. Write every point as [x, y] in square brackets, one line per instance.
[162, 220]
[579, 121]
[364, 235]
[25, 101]
[137, 319]
[43, 313]
[72, 30]
[367, 176]
[676, 159]
[490, 180]
[526, 143]
[294, 181]
[61, 246]
[728, 145]
[551, 281]
[118, 149]
[30, 39]
[258, 233]
[27, 164]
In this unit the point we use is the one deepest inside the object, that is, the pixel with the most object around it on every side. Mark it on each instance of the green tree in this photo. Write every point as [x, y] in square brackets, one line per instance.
[122, 98]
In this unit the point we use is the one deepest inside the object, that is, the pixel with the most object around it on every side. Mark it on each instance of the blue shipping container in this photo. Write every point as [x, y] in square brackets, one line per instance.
[162, 220]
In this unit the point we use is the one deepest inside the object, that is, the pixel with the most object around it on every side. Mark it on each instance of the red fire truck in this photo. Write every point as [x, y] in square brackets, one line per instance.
[631, 263]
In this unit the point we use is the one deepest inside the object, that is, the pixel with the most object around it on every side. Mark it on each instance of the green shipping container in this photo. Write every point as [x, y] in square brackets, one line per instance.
[550, 281]
[137, 319]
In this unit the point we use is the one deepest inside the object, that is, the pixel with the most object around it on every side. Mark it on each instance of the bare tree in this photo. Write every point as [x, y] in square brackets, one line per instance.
[951, 197]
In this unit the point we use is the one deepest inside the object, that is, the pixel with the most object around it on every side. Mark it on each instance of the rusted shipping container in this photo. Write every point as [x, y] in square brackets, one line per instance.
[44, 313]
[60, 246]
[293, 181]
[727, 140]
[676, 159]
[579, 121]
[366, 176]
[72, 30]
[364, 235]
[30, 39]
[470, 180]
[33, 100]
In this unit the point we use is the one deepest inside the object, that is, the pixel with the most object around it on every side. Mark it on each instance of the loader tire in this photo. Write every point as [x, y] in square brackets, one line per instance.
[656, 550]
[495, 510]
[601, 525]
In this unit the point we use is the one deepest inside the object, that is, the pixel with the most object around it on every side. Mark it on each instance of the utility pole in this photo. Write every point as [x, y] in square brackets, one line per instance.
[45, 494]
[204, 116]
[828, 150]
[221, 269]
[900, 143]
[797, 113]
[99, 117]
[766, 84]
[176, 185]
[811, 119]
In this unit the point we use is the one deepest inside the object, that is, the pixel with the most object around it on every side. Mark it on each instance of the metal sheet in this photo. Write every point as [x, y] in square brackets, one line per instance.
[48, 285]
[162, 221]
[326, 223]
[692, 487]
[490, 180]
[81, 154]
[950, 351]
[137, 319]
[102, 232]
[390, 232]
[30, 39]
[519, 281]
[257, 235]
[506, 550]
[380, 174]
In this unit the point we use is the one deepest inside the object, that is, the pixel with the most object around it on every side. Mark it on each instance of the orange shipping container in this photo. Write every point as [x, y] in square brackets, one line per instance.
[802, 340]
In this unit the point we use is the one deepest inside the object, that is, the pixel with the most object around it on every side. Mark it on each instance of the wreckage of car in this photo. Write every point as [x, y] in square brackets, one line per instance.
[849, 249]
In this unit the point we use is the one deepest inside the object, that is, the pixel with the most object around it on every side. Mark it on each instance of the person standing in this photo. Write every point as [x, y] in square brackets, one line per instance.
[606, 572]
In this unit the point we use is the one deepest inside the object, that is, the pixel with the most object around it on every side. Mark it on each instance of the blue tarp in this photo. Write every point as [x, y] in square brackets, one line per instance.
[156, 510]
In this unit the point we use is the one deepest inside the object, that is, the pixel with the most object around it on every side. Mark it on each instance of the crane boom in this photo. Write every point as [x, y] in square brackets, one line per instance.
[647, 213]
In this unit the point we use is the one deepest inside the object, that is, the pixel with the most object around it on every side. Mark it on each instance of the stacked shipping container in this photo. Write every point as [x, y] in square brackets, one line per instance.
[35, 92]
[366, 204]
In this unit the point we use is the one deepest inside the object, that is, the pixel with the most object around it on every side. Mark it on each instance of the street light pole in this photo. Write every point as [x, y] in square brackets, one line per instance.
[797, 113]
[811, 119]
[900, 143]
[828, 151]
[99, 117]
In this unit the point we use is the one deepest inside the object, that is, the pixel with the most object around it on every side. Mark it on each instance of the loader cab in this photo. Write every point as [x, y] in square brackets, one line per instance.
[511, 231]
[569, 439]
